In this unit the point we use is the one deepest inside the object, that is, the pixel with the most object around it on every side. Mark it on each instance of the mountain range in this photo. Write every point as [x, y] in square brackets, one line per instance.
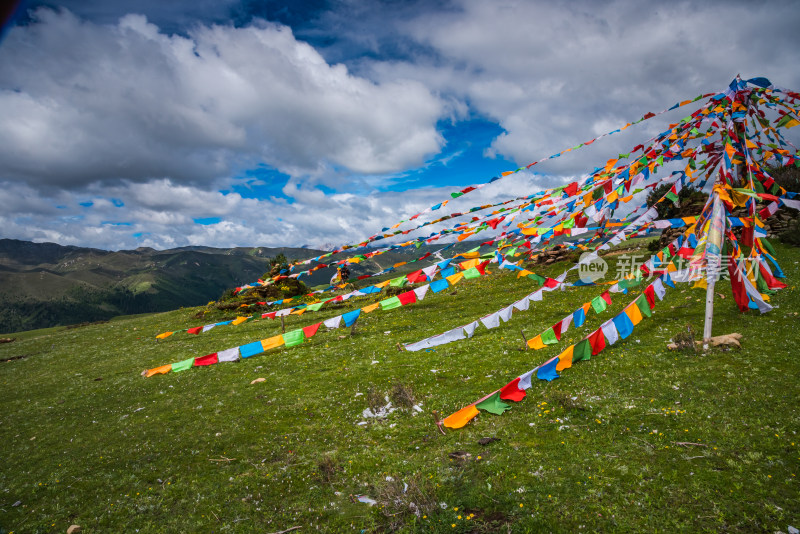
[46, 284]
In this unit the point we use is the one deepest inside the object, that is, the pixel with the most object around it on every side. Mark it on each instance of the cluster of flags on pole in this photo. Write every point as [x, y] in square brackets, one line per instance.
[729, 143]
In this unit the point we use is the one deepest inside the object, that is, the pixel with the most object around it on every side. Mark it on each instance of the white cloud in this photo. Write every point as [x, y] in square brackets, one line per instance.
[86, 103]
[555, 74]
[163, 122]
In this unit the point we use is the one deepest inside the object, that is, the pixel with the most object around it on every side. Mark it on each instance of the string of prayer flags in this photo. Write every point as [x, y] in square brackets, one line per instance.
[620, 327]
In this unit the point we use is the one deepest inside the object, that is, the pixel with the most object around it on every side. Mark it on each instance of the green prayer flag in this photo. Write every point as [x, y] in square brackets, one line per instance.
[537, 278]
[671, 197]
[549, 336]
[456, 195]
[182, 366]
[315, 307]
[390, 303]
[582, 351]
[472, 272]
[626, 284]
[569, 223]
[644, 306]
[493, 405]
[768, 246]
[295, 337]
[599, 304]
[400, 281]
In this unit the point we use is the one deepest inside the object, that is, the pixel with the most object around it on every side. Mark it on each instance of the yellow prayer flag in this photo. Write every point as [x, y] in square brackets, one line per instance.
[164, 369]
[272, 342]
[565, 359]
[536, 343]
[634, 314]
[468, 264]
[239, 320]
[468, 255]
[700, 284]
[461, 417]
[164, 335]
[371, 307]
[455, 278]
[383, 284]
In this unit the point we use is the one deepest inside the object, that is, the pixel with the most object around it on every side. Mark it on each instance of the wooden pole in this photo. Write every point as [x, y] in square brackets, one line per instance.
[283, 325]
[353, 327]
[709, 313]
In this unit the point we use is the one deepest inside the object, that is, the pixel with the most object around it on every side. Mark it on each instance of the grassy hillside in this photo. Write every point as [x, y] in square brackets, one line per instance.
[637, 439]
[44, 284]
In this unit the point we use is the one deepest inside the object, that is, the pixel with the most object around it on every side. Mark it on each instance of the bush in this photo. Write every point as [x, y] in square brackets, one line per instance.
[792, 235]
[687, 196]
[787, 177]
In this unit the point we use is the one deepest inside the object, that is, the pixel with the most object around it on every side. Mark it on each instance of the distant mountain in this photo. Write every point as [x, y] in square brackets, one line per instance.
[46, 284]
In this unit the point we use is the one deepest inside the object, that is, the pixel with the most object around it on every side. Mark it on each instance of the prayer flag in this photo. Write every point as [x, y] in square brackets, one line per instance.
[512, 391]
[293, 338]
[350, 317]
[209, 359]
[251, 349]
[461, 417]
[493, 404]
[548, 371]
[565, 359]
[182, 366]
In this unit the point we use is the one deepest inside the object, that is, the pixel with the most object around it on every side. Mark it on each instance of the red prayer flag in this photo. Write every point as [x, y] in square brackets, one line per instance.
[209, 359]
[597, 341]
[512, 392]
[416, 276]
[409, 297]
[771, 281]
[650, 295]
[195, 330]
[311, 330]
[737, 286]
[557, 329]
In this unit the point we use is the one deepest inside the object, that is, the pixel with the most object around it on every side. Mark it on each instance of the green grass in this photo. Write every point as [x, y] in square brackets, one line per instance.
[87, 440]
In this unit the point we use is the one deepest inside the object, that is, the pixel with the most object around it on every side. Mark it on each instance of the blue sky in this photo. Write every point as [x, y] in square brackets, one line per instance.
[231, 123]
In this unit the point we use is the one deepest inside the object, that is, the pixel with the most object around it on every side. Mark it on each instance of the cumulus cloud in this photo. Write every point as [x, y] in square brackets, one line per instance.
[85, 103]
[554, 74]
[119, 108]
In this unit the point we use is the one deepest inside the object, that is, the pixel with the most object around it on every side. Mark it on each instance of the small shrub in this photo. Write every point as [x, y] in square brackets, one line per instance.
[792, 235]
[402, 395]
[685, 339]
[398, 499]
[374, 399]
[565, 400]
[328, 468]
